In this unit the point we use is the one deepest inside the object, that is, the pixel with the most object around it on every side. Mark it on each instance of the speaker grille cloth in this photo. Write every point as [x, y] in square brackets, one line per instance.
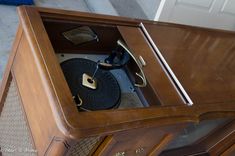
[15, 137]
[83, 147]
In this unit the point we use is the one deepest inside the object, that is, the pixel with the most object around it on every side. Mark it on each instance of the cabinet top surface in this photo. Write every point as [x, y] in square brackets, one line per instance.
[202, 60]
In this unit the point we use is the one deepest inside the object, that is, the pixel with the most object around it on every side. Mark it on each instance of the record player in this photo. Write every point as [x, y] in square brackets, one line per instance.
[100, 82]
[86, 84]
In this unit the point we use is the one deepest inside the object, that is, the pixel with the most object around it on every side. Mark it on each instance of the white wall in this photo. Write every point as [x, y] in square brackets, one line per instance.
[149, 7]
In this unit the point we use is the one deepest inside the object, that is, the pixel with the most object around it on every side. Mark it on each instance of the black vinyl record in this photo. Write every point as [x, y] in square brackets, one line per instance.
[105, 96]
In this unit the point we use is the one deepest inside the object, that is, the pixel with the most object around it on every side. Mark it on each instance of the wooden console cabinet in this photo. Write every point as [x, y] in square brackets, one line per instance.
[190, 90]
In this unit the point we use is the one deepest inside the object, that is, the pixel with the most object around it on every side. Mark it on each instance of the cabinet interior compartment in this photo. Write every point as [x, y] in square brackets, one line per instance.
[96, 42]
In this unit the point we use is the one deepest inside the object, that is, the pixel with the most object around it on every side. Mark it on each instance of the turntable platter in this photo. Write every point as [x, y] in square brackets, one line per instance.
[107, 93]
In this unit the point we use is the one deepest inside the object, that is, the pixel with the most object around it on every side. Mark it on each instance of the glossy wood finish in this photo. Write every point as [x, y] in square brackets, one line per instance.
[202, 60]
[144, 141]
[33, 24]
[51, 112]
[162, 145]
[230, 151]
[219, 141]
[157, 78]
[35, 98]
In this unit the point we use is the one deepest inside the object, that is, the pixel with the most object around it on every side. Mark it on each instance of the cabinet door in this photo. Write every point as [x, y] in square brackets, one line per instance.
[141, 142]
[212, 137]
